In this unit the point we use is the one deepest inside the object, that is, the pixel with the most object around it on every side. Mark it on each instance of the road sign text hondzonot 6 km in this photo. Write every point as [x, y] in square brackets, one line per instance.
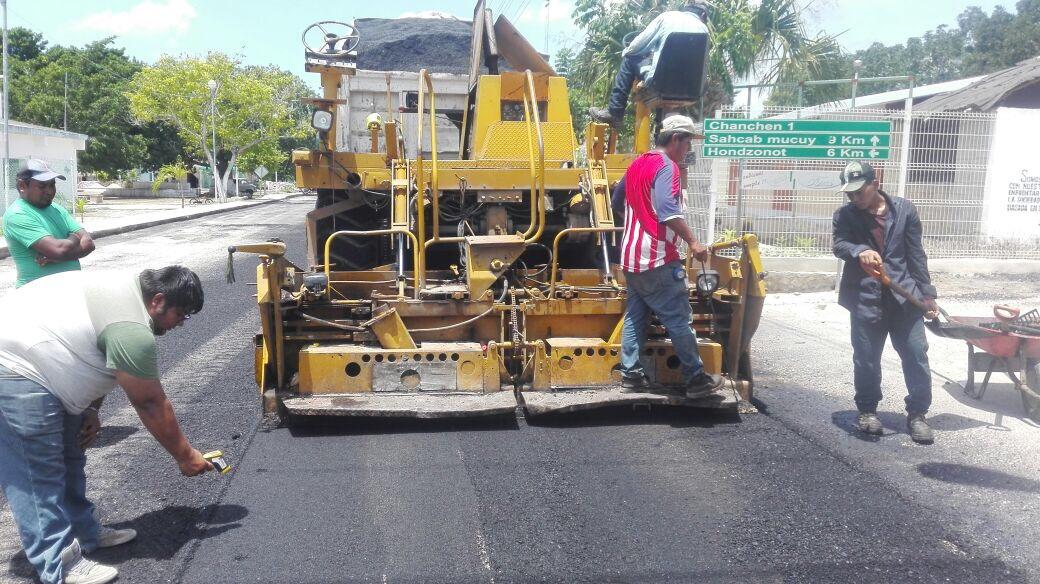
[838, 139]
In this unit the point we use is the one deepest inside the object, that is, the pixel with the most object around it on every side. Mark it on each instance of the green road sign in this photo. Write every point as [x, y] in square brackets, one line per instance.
[772, 138]
[858, 152]
[836, 126]
[803, 139]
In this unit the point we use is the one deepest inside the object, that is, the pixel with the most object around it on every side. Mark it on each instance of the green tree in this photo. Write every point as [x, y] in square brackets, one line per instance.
[163, 145]
[25, 44]
[276, 154]
[251, 109]
[97, 74]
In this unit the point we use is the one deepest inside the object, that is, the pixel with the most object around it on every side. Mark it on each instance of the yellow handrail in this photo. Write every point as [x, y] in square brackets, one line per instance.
[418, 264]
[556, 248]
[537, 179]
[426, 84]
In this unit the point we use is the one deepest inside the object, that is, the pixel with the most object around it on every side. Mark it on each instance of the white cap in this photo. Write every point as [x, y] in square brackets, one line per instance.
[680, 123]
[37, 169]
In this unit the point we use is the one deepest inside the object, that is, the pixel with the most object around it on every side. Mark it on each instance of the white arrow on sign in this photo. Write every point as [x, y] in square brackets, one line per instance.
[873, 153]
[874, 141]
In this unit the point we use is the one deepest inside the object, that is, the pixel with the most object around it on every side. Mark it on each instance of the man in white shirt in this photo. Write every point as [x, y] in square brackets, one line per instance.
[66, 341]
[639, 59]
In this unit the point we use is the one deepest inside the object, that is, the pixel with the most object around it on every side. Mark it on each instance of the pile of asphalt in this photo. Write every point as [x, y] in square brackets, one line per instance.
[440, 45]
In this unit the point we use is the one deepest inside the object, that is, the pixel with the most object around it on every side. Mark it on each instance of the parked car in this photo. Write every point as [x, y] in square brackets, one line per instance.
[246, 189]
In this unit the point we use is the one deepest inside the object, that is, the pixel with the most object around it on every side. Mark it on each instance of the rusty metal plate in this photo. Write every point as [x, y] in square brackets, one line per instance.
[558, 402]
[414, 376]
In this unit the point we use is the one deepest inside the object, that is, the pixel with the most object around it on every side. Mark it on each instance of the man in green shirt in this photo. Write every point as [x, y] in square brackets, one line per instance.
[44, 238]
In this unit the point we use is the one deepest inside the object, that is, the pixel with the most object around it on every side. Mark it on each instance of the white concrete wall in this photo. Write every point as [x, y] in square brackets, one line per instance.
[60, 152]
[366, 94]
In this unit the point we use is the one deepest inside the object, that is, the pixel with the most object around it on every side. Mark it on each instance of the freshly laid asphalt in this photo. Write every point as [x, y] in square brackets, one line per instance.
[617, 495]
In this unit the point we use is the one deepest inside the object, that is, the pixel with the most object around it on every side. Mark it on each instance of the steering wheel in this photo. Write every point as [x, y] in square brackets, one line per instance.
[342, 39]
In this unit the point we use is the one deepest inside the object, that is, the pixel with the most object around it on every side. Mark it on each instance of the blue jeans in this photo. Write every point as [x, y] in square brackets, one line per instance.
[660, 292]
[906, 328]
[626, 76]
[42, 474]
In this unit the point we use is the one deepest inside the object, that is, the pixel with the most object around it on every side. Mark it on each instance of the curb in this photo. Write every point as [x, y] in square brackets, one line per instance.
[5, 252]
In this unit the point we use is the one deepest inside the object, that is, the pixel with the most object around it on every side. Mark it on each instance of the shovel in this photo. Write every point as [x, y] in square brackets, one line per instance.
[950, 329]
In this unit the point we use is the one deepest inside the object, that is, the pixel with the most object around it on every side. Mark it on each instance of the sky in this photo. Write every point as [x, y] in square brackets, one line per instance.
[261, 32]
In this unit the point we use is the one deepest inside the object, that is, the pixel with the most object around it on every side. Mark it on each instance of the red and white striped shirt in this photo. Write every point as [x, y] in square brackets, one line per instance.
[653, 195]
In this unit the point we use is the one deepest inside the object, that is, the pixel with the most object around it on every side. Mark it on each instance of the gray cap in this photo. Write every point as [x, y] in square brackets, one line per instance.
[37, 169]
[855, 175]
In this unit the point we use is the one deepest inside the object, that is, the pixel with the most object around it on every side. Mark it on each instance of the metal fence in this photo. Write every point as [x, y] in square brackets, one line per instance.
[942, 170]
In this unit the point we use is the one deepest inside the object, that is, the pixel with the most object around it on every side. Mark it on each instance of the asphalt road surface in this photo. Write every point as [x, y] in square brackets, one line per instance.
[788, 495]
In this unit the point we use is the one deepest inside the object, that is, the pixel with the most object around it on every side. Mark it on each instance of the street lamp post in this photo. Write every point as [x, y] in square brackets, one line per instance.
[213, 126]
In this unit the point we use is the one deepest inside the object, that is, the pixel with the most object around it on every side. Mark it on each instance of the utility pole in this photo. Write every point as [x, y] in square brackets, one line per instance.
[7, 120]
[66, 124]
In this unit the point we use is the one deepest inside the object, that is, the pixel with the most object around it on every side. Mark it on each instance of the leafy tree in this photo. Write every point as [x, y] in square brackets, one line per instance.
[98, 74]
[25, 44]
[251, 109]
[163, 145]
[275, 155]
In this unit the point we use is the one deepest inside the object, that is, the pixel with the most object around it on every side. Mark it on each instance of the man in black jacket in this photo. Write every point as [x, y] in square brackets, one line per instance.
[871, 231]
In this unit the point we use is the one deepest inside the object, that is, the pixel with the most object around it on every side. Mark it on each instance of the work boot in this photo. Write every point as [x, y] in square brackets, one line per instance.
[108, 537]
[603, 116]
[868, 423]
[703, 385]
[80, 570]
[920, 431]
[635, 384]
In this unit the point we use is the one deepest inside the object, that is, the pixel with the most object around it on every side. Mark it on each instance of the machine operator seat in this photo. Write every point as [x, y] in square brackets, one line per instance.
[681, 69]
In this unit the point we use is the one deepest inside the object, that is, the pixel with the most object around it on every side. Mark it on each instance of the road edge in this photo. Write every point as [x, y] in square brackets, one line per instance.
[6, 253]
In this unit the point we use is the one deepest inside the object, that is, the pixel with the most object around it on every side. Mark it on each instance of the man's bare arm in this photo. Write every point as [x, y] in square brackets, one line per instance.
[86, 242]
[156, 412]
[682, 229]
[60, 250]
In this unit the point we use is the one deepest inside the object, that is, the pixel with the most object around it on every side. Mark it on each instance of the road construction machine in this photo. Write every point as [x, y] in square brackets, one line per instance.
[475, 285]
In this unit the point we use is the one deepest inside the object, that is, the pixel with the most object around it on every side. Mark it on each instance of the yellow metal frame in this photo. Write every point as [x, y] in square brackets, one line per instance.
[416, 256]
[556, 248]
[537, 183]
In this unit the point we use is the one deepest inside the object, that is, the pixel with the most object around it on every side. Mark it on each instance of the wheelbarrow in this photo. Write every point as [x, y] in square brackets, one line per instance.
[1008, 340]
[1006, 344]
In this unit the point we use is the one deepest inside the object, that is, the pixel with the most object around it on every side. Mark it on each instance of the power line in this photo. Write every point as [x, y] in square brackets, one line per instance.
[520, 11]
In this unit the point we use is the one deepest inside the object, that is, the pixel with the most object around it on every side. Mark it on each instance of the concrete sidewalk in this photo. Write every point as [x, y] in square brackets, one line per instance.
[124, 216]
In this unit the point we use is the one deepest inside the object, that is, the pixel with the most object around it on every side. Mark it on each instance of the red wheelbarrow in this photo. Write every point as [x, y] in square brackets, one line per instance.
[1011, 342]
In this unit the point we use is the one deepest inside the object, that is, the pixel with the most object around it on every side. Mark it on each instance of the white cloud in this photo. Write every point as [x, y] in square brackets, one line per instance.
[557, 10]
[146, 18]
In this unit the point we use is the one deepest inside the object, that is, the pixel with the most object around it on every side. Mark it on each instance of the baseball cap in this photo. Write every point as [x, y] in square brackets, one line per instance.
[698, 7]
[680, 123]
[855, 175]
[37, 169]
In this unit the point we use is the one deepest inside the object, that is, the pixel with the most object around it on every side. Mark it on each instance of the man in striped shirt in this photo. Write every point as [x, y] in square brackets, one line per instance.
[652, 196]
